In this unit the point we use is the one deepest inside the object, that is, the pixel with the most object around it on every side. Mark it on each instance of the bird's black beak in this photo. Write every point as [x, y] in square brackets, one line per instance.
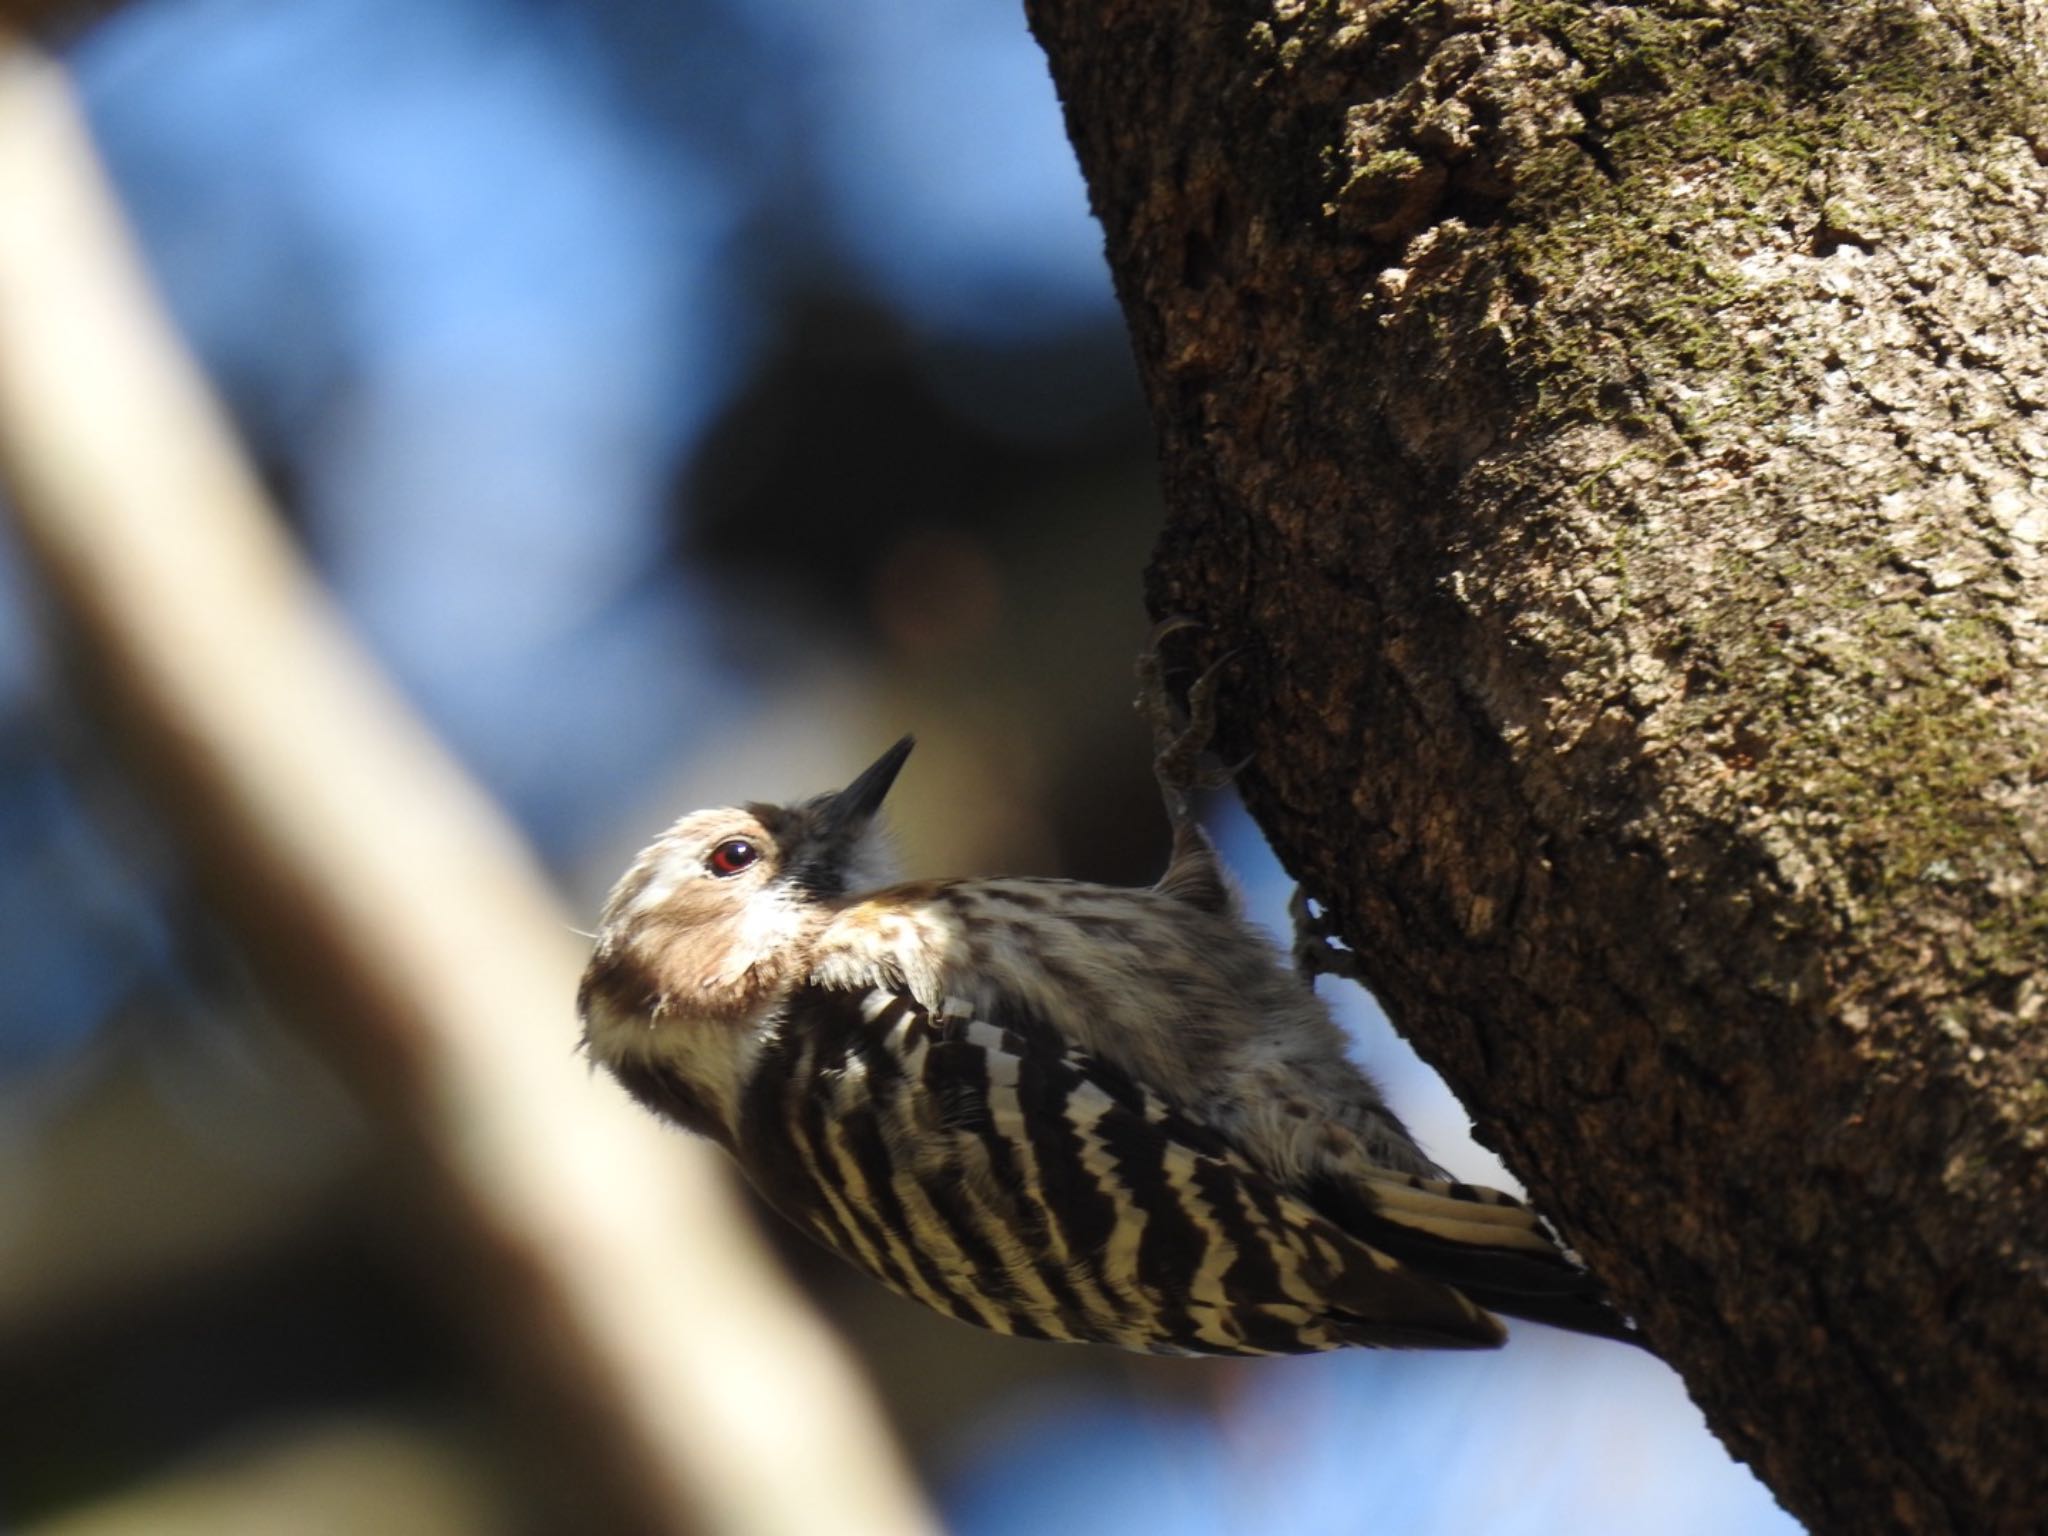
[855, 805]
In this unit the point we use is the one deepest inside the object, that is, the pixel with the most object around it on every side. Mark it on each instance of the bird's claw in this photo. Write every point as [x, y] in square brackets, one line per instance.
[1316, 950]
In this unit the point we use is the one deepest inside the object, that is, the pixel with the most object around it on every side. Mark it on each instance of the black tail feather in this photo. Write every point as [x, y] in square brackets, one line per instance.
[1538, 1283]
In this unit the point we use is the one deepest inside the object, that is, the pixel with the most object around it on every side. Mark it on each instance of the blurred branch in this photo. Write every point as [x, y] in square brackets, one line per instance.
[323, 1478]
[48, 16]
[602, 1261]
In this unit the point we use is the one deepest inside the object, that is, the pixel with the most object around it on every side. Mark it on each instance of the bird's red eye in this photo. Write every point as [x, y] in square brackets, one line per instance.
[732, 856]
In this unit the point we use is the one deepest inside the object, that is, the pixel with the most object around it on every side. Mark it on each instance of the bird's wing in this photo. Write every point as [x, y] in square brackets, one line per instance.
[988, 1170]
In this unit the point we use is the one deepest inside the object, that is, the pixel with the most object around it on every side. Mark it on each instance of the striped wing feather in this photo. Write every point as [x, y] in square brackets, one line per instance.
[982, 1168]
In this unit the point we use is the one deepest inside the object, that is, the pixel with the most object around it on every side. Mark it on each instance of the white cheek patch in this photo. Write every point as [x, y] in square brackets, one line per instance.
[767, 922]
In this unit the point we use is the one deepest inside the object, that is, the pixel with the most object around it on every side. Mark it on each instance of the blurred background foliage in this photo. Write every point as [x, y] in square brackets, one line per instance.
[683, 399]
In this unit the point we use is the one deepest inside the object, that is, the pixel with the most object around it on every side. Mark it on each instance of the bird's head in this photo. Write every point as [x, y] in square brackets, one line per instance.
[712, 921]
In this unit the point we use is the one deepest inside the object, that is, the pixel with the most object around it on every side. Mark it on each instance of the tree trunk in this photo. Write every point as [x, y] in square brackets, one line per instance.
[1609, 439]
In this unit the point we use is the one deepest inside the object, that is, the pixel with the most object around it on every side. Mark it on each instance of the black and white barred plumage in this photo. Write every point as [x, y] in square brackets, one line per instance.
[1048, 1108]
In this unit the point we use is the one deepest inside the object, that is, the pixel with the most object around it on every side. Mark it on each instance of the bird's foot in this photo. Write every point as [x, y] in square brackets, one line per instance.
[1317, 951]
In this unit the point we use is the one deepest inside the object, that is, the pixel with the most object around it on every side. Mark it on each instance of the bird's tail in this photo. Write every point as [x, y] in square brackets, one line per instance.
[1488, 1244]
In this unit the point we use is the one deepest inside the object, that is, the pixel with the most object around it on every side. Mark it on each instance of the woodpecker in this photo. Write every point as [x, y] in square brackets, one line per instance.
[1053, 1109]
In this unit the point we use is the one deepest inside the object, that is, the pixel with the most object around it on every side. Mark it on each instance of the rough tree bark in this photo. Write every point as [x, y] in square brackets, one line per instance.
[1611, 438]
